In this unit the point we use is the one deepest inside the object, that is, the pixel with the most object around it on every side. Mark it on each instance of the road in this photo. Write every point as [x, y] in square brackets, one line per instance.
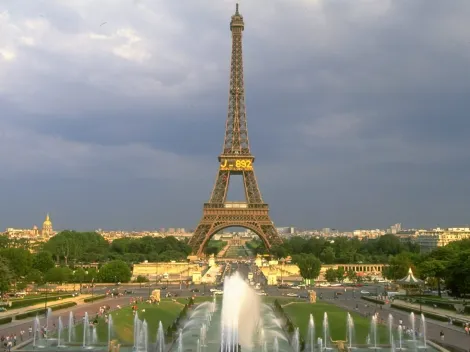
[79, 311]
[349, 300]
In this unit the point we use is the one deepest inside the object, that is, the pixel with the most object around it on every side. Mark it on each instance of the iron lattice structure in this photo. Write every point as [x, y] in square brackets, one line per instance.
[236, 159]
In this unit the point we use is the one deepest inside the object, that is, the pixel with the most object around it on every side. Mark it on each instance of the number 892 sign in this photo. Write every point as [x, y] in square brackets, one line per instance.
[236, 164]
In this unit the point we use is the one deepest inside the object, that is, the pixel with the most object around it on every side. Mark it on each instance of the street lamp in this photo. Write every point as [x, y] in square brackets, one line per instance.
[376, 296]
[420, 300]
[92, 288]
[45, 302]
[148, 279]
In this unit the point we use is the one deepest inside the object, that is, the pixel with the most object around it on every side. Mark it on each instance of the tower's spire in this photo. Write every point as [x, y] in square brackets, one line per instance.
[236, 133]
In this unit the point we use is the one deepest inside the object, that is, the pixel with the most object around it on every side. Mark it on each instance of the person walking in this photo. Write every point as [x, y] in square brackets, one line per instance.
[442, 335]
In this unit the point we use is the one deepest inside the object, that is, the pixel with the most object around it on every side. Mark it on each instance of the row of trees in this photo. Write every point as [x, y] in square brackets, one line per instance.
[44, 271]
[60, 259]
[71, 247]
[340, 250]
[449, 265]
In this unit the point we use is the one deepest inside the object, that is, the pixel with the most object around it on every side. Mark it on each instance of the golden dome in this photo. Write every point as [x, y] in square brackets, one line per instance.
[47, 222]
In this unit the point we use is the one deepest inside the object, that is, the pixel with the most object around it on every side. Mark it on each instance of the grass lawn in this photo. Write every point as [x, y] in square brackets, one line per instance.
[123, 319]
[281, 300]
[300, 315]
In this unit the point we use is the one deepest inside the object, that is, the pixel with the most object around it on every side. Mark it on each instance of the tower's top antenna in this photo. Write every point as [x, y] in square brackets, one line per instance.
[237, 20]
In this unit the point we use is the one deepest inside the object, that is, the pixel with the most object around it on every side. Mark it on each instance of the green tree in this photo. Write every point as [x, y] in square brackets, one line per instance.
[308, 264]
[328, 255]
[141, 279]
[43, 261]
[5, 276]
[340, 274]
[58, 275]
[79, 276]
[351, 275]
[458, 275]
[115, 271]
[399, 266]
[19, 260]
[434, 268]
[35, 276]
[330, 275]
[91, 275]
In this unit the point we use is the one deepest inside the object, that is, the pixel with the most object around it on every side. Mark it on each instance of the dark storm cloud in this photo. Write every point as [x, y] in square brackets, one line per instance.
[357, 111]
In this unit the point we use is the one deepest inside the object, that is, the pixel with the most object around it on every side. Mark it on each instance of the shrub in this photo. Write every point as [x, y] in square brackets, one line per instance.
[5, 320]
[94, 298]
[373, 300]
[33, 313]
[19, 303]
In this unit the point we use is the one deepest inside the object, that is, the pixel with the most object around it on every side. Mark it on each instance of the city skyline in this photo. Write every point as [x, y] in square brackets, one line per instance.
[356, 113]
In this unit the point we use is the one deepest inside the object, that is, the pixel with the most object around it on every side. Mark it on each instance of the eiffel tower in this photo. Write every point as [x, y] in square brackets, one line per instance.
[236, 159]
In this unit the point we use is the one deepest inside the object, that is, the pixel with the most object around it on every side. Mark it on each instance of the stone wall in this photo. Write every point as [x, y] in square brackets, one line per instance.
[158, 270]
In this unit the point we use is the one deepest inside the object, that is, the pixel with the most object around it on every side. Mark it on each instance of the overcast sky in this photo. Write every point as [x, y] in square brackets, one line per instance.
[358, 111]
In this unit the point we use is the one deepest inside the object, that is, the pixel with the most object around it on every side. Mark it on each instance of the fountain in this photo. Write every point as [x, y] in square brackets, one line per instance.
[94, 335]
[326, 330]
[240, 303]
[48, 317]
[423, 329]
[36, 327]
[71, 327]
[400, 337]
[373, 328]
[60, 328]
[86, 329]
[160, 342]
[203, 335]
[110, 330]
[239, 322]
[311, 335]
[276, 345]
[180, 341]
[350, 332]
[296, 341]
[413, 326]
[136, 329]
[140, 334]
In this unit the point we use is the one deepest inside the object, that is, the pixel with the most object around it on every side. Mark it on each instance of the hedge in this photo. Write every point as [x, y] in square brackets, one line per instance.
[373, 300]
[288, 324]
[173, 328]
[31, 301]
[427, 314]
[5, 320]
[430, 302]
[33, 313]
[94, 298]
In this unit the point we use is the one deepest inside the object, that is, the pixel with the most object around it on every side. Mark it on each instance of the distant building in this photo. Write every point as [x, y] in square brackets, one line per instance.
[47, 229]
[430, 240]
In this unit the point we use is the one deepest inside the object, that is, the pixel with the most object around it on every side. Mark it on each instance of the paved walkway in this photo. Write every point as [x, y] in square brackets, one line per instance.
[13, 312]
[79, 311]
[454, 335]
[439, 311]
